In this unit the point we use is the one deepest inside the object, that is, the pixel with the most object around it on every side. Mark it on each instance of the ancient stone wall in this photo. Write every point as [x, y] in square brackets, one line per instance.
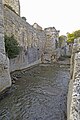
[51, 52]
[35, 25]
[30, 39]
[5, 80]
[13, 5]
[33, 40]
[73, 104]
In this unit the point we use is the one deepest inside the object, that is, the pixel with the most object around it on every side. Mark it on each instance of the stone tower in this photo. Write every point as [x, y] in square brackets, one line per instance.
[13, 4]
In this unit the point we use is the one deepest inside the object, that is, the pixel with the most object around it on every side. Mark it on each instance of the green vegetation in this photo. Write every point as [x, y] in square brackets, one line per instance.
[77, 34]
[11, 46]
[72, 36]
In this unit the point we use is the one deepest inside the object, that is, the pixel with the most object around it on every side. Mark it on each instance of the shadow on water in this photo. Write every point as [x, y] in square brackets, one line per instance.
[39, 93]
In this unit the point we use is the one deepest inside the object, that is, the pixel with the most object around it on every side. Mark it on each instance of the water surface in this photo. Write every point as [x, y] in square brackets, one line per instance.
[39, 94]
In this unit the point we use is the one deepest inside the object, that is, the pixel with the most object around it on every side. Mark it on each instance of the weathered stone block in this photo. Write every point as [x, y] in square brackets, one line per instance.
[5, 80]
[13, 4]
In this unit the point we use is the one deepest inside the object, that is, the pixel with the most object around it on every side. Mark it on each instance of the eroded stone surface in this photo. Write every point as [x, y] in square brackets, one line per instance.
[5, 80]
[75, 97]
[13, 4]
[75, 105]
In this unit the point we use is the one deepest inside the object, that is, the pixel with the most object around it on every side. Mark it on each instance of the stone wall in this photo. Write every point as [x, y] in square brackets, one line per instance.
[5, 80]
[35, 25]
[51, 52]
[73, 104]
[30, 39]
[13, 4]
[35, 42]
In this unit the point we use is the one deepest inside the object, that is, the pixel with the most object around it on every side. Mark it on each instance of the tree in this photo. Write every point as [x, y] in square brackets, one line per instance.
[72, 36]
[77, 34]
[11, 46]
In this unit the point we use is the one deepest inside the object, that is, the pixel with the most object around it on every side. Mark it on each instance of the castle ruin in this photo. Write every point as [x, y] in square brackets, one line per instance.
[35, 42]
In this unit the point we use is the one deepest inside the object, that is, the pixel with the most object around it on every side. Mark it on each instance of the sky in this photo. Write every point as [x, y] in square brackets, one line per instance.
[64, 15]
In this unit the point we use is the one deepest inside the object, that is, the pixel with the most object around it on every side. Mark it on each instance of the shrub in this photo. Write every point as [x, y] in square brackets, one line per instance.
[11, 46]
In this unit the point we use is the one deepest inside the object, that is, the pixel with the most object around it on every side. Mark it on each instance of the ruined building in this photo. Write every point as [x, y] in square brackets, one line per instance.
[51, 52]
[38, 45]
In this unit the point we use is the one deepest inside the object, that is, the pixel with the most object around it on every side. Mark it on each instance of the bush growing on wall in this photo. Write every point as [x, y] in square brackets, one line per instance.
[11, 46]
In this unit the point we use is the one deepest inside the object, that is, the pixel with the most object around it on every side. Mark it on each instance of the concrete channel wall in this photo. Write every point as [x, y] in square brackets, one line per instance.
[73, 102]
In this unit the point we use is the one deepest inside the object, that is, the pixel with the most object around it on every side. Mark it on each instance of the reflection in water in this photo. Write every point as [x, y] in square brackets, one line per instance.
[40, 94]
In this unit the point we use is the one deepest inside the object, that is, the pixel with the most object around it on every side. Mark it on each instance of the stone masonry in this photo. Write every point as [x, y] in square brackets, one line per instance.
[74, 86]
[51, 52]
[5, 80]
[14, 4]
[37, 46]
[31, 38]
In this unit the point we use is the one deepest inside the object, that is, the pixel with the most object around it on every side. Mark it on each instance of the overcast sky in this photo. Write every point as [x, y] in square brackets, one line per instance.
[64, 15]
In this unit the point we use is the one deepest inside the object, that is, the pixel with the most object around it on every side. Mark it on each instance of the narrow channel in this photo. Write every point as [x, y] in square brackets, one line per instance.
[39, 93]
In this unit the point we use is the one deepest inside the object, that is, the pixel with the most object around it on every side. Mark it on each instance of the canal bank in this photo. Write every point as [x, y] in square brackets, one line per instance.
[73, 103]
[39, 93]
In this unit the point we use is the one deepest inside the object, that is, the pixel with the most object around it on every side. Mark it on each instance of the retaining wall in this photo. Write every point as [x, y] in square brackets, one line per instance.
[5, 80]
[73, 103]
